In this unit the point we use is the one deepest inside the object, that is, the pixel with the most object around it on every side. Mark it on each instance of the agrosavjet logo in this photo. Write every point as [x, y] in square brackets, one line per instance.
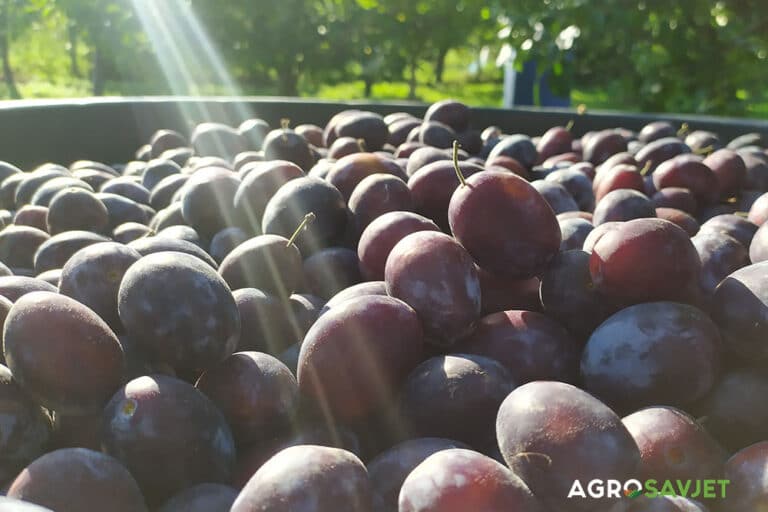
[694, 489]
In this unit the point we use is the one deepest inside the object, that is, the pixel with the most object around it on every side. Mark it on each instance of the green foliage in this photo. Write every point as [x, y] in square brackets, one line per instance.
[705, 56]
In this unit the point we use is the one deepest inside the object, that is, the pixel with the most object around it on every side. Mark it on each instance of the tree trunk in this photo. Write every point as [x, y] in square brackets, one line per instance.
[368, 80]
[412, 80]
[98, 72]
[10, 81]
[440, 64]
[73, 64]
[288, 81]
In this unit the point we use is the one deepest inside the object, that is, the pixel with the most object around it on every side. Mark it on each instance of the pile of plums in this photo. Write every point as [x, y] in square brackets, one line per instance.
[386, 314]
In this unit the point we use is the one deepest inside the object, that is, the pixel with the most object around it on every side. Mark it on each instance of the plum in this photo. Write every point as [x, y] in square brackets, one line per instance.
[258, 187]
[574, 232]
[179, 311]
[202, 498]
[78, 479]
[436, 276]
[645, 260]
[389, 469]
[257, 394]
[729, 169]
[436, 134]
[165, 189]
[331, 270]
[733, 412]
[30, 215]
[456, 397]
[299, 197]
[130, 231]
[307, 478]
[354, 292]
[688, 171]
[153, 244]
[356, 355]
[675, 197]
[217, 139]
[62, 353]
[450, 112]
[92, 276]
[656, 130]
[76, 208]
[603, 145]
[164, 140]
[530, 345]
[758, 246]
[732, 225]
[574, 437]
[556, 195]
[680, 218]
[739, 309]
[253, 131]
[32, 181]
[121, 210]
[286, 144]
[577, 184]
[57, 250]
[150, 425]
[376, 195]
[268, 324]
[502, 293]
[128, 187]
[25, 425]
[18, 245]
[181, 232]
[225, 241]
[623, 205]
[433, 185]
[744, 471]
[207, 201]
[652, 353]
[758, 212]
[720, 256]
[505, 224]
[381, 235]
[518, 146]
[270, 263]
[458, 480]
[660, 150]
[13, 287]
[673, 445]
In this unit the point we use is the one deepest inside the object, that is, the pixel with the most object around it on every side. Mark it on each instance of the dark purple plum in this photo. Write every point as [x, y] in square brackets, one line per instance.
[164, 140]
[436, 134]
[165, 189]
[150, 425]
[329, 271]
[268, 324]
[355, 356]
[179, 311]
[216, 139]
[423, 156]
[459, 480]
[207, 200]
[732, 225]
[202, 498]
[299, 197]
[76, 209]
[268, 262]
[530, 345]
[225, 241]
[33, 216]
[450, 112]
[505, 224]
[92, 277]
[623, 205]
[518, 146]
[257, 394]
[574, 232]
[62, 353]
[604, 144]
[78, 480]
[747, 491]
[676, 197]
[652, 353]
[306, 478]
[18, 245]
[26, 427]
[656, 130]
[583, 440]
[660, 150]
[577, 184]
[758, 246]
[720, 256]
[33, 180]
[56, 251]
[354, 292]
[680, 218]
[688, 171]
[14, 287]
[436, 276]
[122, 210]
[154, 244]
[181, 232]
[729, 169]
[739, 307]
[673, 445]
[350, 170]
[128, 187]
[645, 260]
[622, 176]
[556, 195]
[456, 397]
[376, 195]
[258, 187]
[389, 469]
